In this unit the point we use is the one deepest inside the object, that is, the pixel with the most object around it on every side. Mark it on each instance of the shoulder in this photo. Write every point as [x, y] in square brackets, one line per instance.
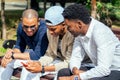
[19, 29]
[99, 27]
[69, 35]
[42, 22]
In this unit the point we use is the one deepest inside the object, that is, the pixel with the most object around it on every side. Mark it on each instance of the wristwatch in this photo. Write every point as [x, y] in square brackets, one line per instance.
[76, 78]
[12, 55]
[43, 70]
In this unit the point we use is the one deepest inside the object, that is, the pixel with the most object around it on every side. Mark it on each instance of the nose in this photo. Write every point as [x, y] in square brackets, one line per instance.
[51, 32]
[28, 29]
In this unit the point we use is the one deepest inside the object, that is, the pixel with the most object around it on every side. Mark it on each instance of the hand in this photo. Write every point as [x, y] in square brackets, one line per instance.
[76, 71]
[69, 77]
[8, 54]
[33, 66]
[5, 61]
[7, 58]
[65, 78]
[24, 64]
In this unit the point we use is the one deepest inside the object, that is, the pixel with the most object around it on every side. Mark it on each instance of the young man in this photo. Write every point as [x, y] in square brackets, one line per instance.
[31, 43]
[94, 39]
[59, 50]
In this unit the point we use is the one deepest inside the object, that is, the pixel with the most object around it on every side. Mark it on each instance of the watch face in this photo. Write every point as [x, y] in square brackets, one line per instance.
[76, 78]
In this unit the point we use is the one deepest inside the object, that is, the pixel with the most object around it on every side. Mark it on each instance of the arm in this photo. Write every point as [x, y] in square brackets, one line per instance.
[77, 54]
[20, 45]
[35, 66]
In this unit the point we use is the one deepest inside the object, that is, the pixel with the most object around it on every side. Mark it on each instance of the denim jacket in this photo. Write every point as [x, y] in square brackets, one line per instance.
[37, 43]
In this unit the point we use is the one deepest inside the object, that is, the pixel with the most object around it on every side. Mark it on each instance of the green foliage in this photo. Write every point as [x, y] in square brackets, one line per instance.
[99, 5]
[109, 6]
[115, 14]
[116, 3]
[88, 4]
[106, 10]
[12, 18]
[2, 51]
[41, 13]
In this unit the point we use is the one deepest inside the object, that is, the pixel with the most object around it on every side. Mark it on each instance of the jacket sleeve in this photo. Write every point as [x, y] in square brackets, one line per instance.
[20, 42]
[77, 54]
[40, 49]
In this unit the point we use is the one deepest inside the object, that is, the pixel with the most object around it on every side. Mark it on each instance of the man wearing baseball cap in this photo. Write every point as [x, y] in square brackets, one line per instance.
[58, 52]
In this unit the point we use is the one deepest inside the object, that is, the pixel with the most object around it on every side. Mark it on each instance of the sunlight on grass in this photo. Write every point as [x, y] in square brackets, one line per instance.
[2, 51]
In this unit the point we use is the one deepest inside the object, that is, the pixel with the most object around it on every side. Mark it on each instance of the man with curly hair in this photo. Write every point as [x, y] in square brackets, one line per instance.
[94, 39]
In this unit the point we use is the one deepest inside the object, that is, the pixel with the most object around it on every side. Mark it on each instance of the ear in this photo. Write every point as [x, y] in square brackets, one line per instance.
[21, 19]
[38, 21]
[79, 24]
[63, 23]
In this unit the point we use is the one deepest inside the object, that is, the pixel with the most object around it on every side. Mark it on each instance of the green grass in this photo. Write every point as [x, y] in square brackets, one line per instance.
[2, 51]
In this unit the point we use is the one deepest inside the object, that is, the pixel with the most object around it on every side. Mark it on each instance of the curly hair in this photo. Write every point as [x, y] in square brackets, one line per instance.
[77, 11]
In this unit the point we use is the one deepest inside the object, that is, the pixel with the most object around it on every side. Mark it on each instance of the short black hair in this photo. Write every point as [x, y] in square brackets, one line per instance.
[77, 11]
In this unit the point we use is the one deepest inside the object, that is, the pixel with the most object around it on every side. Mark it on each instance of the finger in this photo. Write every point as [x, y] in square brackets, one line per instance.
[29, 69]
[3, 63]
[8, 56]
[29, 62]
[9, 51]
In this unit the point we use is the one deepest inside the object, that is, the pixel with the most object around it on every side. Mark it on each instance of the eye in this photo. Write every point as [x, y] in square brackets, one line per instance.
[24, 26]
[52, 29]
[32, 26]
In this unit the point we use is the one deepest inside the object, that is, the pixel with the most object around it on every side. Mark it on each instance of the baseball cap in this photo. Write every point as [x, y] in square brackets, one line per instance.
[53, 15]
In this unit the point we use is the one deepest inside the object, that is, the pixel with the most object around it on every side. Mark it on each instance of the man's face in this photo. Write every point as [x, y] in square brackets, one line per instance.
[30, 26]
[56, 30]
[74, 27]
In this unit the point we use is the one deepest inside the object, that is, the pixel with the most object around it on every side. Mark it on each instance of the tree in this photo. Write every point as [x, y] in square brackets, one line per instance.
[28, 4]
[93, 8]
[3, 19]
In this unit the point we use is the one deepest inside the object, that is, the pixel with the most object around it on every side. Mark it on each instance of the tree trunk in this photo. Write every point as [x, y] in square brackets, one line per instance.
[3, 19]
[28, 4]
[93, 8]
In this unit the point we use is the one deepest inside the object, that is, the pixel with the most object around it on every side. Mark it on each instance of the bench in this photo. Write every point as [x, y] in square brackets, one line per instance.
[17, 71]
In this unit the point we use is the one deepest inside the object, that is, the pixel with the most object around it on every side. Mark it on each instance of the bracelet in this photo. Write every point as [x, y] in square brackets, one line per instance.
[12, 55]
[43, 70]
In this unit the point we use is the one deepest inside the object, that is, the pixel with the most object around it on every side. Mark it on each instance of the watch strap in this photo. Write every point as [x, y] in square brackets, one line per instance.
[12, 56]
[43, 69]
